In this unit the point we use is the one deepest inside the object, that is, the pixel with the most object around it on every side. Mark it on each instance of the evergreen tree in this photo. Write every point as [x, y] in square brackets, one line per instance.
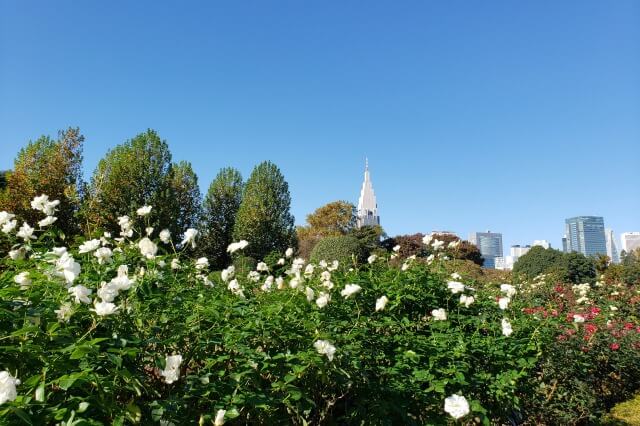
[264, 219]
[221, 206]
[51, 167]
[186, 199]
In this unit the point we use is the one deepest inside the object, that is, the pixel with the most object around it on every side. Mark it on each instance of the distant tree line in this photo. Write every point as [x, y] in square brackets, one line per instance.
[141, 172]
[577, 268]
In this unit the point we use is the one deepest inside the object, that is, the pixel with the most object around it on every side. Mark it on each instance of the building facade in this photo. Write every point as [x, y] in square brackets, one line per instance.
[490, 246]
[367, 213]
[630, 241]
[612, 249]
[585, 234]
[542, 243]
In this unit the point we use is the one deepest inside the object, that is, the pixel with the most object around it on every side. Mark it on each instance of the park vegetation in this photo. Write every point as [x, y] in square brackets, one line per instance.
[130, 300]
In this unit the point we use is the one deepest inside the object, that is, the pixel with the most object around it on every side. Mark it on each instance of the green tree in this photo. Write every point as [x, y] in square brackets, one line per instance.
[602, 262]
[537, 261]
[577, 268]
[186, 198]
[369, 237]
[221, 206]
[51, 167]
[343, 248]
[3, 179]
[136, 173]
[630, 266]
[264, 218]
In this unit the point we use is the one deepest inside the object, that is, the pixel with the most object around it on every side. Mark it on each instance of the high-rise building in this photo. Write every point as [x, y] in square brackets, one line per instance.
[517, 250]
[490, 246]
[507, 262]
[367, 213]
[565, 244]
[542, 243]
[612, 250]
[630, 241]
[585, 234]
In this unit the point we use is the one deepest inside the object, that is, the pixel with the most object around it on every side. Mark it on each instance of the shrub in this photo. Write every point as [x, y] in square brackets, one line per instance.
[340, 248]
[153, 337]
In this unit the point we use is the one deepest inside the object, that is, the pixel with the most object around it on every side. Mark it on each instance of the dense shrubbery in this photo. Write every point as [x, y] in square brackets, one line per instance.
[129, 330]
[572, 267]
[345, 249]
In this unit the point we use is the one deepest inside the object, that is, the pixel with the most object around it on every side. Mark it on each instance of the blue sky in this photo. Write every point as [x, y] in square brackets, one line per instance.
[500, 115]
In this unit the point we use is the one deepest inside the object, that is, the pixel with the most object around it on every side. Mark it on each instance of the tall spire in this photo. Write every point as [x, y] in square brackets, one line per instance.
[367, 205]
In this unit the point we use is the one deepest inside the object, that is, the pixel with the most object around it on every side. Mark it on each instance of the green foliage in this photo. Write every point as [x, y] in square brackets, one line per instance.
[3, 179]
[577, 268]
[220, 209]
[569, 267]
[254, 353]
[630, 267]
[344, 249]
[333, 219]
[264, 218]
[369, 237]
[136, 173]
[186, 208]
[537, 261]
[47, 166]
[587, 365]
[625, 413]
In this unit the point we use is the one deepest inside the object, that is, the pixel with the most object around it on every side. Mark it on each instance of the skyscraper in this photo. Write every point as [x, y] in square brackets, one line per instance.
[367, 214]
[490, 246]
[585, 234]
[612, 250]
[630, 241]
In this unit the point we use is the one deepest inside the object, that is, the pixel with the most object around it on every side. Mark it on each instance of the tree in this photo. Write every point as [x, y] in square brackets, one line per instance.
[630, 266]
[537, 261]
[3, 179]
[333, 219]
[137, 173]
[576, 268]
[51, 167]
[602, 262]
[221, 206]
[264, 218]
[369, 237]
[343, 248]
[186, 198]
[410, 245]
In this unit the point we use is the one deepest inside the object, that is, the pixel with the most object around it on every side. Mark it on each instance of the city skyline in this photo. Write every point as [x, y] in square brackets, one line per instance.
[492, 116]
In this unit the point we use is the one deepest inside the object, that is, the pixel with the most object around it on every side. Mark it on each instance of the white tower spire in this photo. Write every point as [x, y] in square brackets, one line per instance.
[367, 205]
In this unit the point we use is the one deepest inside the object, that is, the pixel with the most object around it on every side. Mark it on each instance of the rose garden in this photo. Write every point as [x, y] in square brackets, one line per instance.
[119, 305]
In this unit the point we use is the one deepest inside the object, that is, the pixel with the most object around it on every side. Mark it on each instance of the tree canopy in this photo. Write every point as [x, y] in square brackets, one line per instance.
[140, 172]
[221, 206]
[47, 166]
[332, 219]
[264, 218]
[572, 267]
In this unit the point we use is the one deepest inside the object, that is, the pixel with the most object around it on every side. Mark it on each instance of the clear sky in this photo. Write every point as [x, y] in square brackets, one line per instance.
[500, 115]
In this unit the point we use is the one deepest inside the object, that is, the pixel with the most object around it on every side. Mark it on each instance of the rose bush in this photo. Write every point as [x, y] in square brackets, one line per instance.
[130, 329]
